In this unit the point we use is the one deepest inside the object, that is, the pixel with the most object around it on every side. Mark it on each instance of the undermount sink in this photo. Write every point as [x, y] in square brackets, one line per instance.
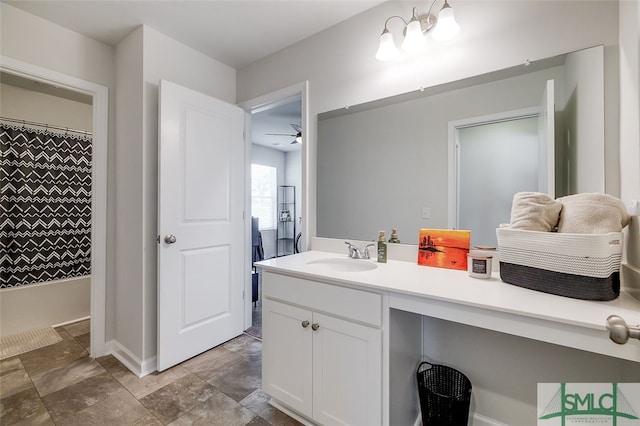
[342, 265]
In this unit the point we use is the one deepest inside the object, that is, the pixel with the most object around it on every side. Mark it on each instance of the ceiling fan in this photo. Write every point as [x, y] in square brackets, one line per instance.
[297, 136]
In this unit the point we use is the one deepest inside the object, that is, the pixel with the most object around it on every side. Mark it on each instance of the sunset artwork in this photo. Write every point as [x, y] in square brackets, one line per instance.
[444, 248]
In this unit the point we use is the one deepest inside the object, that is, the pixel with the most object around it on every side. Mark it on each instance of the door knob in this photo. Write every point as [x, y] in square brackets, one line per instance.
[315, 326]
[305, 324]
[620, 332]
[169, 238]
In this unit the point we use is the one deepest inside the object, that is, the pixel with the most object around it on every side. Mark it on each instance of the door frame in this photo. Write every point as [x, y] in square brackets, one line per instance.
[261, 103]
[453, 146]
[100, 95]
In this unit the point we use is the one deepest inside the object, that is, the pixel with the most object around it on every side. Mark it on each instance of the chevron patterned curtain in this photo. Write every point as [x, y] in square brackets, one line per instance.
[45, 206]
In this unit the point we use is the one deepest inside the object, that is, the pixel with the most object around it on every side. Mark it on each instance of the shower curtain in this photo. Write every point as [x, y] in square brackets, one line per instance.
[45, 206]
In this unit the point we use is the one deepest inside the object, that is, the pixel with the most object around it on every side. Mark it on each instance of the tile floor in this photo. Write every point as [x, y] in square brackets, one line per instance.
[61, 385]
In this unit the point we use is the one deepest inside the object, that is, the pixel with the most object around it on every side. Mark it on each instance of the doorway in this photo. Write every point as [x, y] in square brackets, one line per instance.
[99, 101]
[276, 176]
[277, 152]
[495, 160]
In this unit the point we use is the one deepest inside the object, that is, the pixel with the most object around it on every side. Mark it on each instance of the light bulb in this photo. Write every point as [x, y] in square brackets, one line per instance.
[447, 27]
[414, 39]
[387, 49]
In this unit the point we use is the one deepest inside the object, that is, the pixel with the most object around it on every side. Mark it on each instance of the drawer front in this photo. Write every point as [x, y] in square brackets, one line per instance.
[357, 305]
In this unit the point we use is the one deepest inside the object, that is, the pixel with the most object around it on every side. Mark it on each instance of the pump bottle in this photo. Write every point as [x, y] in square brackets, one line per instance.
[382, 248]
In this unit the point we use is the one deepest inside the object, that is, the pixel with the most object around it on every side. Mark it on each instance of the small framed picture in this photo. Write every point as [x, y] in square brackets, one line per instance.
[285, 216]
[444, 248]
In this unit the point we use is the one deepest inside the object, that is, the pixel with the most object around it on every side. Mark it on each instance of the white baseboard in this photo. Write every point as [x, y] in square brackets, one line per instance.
[71, 321]
[479, 420]
[138, 367]
[149, 366]
[476, 420]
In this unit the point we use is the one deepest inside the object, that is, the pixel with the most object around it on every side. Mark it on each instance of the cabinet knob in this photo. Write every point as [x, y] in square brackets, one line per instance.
[305, 324]
[620, 332]
[315, 326]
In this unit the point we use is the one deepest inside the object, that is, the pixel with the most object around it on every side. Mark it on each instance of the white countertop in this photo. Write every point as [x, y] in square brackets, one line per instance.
[453, 294]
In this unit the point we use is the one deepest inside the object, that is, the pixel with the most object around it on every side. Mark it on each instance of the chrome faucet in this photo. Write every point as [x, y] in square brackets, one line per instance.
[356, 253]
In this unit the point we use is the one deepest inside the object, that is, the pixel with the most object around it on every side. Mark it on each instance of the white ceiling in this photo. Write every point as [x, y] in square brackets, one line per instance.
[277, 120]
[234, 32]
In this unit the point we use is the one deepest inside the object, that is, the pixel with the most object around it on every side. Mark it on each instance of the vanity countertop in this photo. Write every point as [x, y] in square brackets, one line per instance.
[488, 303]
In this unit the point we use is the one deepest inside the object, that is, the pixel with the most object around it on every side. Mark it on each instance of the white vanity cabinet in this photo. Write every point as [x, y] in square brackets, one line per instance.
[375, 325]
[322, 350]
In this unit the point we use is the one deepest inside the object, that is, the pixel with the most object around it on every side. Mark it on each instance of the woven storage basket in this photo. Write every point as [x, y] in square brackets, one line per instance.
[581, 266]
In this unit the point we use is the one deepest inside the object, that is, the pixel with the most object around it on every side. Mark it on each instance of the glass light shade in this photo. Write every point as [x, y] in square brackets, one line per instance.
[387, 49]
[447, 27]
[414, 39]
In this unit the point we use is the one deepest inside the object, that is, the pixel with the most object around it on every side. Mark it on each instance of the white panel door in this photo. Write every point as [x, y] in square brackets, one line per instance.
[200, 223]
[347, 360]
[286, 355]
[546, 133]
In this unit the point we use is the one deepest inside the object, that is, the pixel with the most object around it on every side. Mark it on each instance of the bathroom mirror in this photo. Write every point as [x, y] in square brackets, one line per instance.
[389, 163]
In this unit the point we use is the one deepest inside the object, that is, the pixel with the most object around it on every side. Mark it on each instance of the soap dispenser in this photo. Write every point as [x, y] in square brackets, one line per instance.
[382, 248]
[394, 237]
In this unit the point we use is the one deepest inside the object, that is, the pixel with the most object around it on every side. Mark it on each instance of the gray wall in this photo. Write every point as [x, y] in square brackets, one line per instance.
[583, 169]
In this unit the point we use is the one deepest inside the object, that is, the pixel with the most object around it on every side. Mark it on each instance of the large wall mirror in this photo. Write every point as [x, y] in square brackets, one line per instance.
[393, 163]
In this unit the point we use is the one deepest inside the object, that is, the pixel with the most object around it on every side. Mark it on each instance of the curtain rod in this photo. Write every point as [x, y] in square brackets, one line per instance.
[47, 126]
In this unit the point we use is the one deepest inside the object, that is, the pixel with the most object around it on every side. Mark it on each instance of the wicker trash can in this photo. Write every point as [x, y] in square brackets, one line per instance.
[445, 395]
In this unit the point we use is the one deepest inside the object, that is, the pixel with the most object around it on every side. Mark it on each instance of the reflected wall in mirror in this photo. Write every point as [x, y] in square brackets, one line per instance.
[387, 164]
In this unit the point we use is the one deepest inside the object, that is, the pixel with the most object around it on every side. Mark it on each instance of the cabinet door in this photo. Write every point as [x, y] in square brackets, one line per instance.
[347, 372]
[286, 355]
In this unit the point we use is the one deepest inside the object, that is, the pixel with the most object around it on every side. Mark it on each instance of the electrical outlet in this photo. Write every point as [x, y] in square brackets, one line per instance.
[633, 208]
[426, 213]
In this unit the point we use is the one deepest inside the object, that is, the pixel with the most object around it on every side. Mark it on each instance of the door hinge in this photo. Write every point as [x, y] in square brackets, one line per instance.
[242, 294]
[158, 239]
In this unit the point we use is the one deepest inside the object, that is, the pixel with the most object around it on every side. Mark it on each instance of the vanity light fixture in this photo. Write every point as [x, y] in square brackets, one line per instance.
[441, 28]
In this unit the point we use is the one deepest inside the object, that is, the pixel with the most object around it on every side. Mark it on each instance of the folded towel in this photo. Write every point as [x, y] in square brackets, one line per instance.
[534, 211]
[592, 213]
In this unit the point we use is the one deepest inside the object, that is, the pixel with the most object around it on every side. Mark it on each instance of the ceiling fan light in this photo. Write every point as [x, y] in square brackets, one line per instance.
[414, 39]
[447, 27]
[387, 49]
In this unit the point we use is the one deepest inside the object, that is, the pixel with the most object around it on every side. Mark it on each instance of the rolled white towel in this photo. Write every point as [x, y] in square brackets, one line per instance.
[592, 213]
[534, 211]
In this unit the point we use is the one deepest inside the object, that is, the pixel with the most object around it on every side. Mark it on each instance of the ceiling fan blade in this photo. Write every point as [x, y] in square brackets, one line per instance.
[297, 139]
[297, 128]
[279, 134]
